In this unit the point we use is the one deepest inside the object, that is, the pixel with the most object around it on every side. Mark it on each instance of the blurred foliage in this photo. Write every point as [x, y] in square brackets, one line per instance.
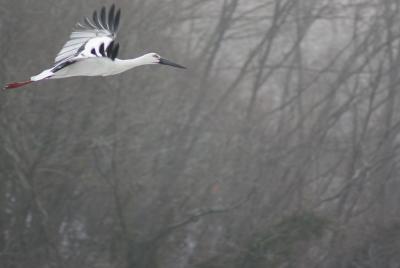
[379, 248]
[277, 246]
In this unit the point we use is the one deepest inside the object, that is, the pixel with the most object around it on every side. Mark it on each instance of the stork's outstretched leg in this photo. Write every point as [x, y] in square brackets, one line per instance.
[16, 84]
[43, 75]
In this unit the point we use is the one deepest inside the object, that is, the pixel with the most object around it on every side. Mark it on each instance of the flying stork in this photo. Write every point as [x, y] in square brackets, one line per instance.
[92, 51]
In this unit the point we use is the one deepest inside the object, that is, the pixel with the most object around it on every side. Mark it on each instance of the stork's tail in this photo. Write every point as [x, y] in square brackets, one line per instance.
[43, 75]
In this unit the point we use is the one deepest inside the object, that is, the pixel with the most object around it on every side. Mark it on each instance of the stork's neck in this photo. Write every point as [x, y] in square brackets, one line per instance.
[124, 65]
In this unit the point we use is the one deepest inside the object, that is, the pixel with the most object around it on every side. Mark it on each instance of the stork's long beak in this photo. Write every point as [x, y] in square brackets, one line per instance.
[170, 63]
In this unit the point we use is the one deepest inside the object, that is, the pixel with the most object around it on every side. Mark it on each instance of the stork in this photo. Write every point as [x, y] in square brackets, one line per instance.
[92, 51]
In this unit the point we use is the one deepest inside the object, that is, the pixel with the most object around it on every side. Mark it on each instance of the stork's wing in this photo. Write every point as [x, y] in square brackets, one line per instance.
[102, 25]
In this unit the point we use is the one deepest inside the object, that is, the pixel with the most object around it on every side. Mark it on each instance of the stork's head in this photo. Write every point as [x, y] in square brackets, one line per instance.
[154, 58]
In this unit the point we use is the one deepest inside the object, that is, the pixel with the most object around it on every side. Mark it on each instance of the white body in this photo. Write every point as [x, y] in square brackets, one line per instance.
[87, 67]
[95, 66]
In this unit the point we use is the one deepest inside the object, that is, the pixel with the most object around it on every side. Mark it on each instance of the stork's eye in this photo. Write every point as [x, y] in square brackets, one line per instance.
[156, 56]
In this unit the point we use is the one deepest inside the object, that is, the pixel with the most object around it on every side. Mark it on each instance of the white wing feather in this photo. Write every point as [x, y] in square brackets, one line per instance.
[90, 34]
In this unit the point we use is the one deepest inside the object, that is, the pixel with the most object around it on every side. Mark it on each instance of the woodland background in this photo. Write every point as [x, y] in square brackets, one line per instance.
[277, 147]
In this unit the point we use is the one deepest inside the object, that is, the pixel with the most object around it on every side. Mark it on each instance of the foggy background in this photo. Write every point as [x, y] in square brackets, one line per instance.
[277, 147]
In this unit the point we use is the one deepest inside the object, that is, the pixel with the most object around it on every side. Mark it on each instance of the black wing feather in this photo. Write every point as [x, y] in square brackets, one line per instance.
[62, 65]
[116, 21]
[103, 17]
[100, 21]
[109, 49]
[111, 16]
[115, 51]
[101, 50]
[112, 50]
[96, 20]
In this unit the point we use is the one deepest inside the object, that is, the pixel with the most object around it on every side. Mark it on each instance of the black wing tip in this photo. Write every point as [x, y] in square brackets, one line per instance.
[102, 20]
[96, 19]
[103, 17]
[111, 16]
[116, 20]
